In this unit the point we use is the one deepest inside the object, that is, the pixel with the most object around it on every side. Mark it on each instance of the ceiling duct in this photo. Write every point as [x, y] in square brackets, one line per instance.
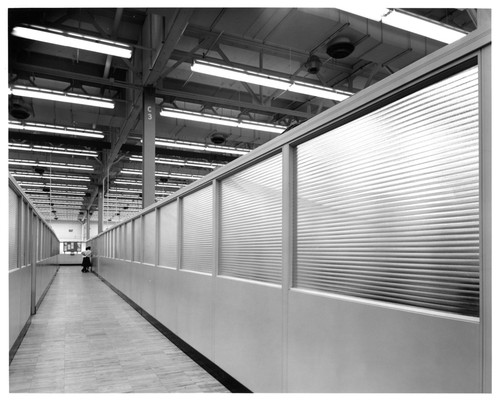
[19, 109]
[313, 64]
[339, 48]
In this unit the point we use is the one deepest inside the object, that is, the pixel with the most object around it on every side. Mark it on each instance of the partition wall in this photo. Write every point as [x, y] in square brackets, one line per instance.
[350, 254]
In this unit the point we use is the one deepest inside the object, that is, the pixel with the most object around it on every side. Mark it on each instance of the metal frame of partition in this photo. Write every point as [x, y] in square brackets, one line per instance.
[35, 242]
[475, 48]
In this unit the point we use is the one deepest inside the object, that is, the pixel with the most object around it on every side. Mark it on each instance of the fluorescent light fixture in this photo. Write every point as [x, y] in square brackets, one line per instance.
[70, 39]
[50, 177]
[36, 191]
[252, 77]
[422, 27]
[59, 96]
[53, 185]
[138, 172]
[238, 74]
[139, 183]
[200, 147]
[54, 165]
[408, 22]
[49, 128]
[138, 191]
[221, 120]
[52, 150]
[319, 91]
[176, 162]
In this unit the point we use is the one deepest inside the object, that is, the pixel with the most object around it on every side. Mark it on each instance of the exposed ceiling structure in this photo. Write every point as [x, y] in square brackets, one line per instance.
[61, 171]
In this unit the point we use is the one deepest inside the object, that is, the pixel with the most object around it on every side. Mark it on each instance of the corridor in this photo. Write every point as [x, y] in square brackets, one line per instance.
[85, 338]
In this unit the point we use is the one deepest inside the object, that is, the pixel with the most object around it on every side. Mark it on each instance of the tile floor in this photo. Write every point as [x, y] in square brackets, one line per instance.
[85, 338]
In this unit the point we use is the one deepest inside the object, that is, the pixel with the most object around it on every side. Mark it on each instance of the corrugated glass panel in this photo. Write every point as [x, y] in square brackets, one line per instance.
[168, 235]
[251, 222]
[13, 228]
[138, 239]
[150, 237]
[128, 241]
[197, 232]
[388, 205]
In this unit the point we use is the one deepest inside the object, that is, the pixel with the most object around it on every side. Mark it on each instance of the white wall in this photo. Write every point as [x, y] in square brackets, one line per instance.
[67, 230]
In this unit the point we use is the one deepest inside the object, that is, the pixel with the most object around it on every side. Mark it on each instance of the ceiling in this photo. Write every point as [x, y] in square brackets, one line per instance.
[165, 42]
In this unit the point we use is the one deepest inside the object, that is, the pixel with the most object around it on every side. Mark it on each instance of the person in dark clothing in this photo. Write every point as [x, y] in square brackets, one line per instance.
[87, 263]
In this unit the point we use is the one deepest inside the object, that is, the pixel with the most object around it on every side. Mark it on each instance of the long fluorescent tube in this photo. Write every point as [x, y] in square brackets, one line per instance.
[238, 74]
[70, 39]
[53, 185]
[200, 147]
[49, 128]
[138, 172]
[319, 91]
[52, 150]
[175, 162]
[251, 77]
[51, 165]
[422, 27]
[221, 120]
[408, 22]
[59, 96]
[50, 177]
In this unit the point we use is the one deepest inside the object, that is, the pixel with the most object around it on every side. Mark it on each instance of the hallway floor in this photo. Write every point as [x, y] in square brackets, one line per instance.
[85, 338]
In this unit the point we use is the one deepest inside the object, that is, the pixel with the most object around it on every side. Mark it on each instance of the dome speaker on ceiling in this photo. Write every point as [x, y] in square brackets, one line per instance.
[218, 138]
[339, 48]
[20, 109]
[313, 64]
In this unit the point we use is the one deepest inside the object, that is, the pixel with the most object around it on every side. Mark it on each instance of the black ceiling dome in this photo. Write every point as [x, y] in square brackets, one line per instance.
[339, 48]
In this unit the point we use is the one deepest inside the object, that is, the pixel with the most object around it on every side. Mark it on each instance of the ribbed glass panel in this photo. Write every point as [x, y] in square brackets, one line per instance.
[150, 237]
[197, 233]
[138, 239]
[251, 221]
[13, 228]
[388, 205]
[168, 235]
[128, 242]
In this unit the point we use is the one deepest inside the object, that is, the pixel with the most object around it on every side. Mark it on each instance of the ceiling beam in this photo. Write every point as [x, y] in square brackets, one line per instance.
[287, 53]
[68, 75]
[168, 45]
[231, 102]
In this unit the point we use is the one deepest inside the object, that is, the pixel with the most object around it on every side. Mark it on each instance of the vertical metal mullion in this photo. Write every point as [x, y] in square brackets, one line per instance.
[19, 230]
[288, 244]
[33, 237]
[132, 241]
[216, 225]
[157, 237]
[179, 232]
[216, 215]
[485, 193]
[141, 248]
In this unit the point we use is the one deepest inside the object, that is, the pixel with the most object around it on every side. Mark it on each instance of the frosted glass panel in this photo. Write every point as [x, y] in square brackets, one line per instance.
[388, 205]
[13, 228]
[251, 220]
[197, 231]
[168, 235]
[128, 243]
[138, 239]
[150, 237]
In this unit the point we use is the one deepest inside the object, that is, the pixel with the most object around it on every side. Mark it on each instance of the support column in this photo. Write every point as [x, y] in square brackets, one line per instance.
[87, 232]
[100, 209]
[148, 147]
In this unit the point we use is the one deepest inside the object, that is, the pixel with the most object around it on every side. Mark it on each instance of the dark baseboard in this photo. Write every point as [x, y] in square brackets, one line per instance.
[22, 334]
[46, 289]
[17, 343]
[211, 368]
